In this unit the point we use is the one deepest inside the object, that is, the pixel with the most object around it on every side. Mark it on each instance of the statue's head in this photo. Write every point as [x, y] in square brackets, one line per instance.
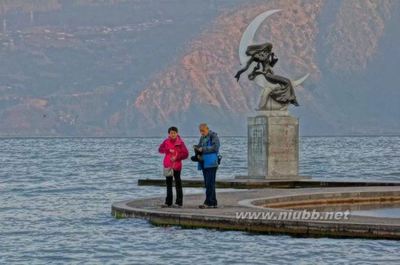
[256, 48]
[268, 47]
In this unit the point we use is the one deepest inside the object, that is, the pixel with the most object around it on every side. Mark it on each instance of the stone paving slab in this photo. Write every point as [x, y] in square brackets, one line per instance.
[230, 203]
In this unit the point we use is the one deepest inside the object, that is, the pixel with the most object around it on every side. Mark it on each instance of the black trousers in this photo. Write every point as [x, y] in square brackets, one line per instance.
[209, 183]
[178, 187]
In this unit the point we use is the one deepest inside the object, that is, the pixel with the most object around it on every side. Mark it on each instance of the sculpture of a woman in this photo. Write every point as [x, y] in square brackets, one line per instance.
[282, 91]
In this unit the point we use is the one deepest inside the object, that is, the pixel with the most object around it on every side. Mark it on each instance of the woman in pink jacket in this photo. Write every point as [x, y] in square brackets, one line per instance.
[175, 151]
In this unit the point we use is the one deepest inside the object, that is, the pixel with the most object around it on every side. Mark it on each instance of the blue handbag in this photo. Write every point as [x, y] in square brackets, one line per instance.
[210, 160]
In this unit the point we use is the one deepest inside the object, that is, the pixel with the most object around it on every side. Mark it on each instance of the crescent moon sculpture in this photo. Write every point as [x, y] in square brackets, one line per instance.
[266, 103]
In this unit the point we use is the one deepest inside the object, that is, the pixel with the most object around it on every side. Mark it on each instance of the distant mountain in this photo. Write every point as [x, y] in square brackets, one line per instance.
[347, 46]
[128, 68]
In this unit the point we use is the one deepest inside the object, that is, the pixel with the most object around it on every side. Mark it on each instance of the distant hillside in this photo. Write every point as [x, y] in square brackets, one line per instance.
[73, 67]
[347, 46]
[125, 68]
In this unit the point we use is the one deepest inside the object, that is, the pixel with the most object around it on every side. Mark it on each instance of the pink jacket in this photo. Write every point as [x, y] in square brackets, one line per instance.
[180, 152]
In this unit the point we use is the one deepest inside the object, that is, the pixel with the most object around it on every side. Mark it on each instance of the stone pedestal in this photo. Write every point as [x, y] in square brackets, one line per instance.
[273, 146]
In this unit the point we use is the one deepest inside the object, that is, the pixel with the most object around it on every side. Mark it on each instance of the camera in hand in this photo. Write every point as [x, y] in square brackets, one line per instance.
[197, 154]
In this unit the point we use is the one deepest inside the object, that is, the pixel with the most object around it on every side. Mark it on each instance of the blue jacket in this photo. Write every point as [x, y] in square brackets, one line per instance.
[210, 145]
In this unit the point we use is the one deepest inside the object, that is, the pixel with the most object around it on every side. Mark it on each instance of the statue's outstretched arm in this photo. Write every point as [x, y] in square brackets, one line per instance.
[241, 71]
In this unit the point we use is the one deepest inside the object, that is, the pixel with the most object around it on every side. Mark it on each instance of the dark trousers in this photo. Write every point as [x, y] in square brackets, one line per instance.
[209, 183]
[178, 186]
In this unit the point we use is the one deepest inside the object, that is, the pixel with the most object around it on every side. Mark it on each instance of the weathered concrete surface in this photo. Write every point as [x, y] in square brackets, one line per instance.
[239, 183]
[273, 147]
[231, 203]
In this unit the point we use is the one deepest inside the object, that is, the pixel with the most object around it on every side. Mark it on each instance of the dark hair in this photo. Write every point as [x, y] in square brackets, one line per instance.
[173, 128]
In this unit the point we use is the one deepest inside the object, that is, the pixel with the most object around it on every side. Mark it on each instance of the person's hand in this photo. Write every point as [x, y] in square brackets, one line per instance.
[173, 159]
[200, 149]
[237, 76]
[171, 150]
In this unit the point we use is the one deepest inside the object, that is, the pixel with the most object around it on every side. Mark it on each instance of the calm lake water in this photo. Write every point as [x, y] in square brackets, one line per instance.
[56, 197]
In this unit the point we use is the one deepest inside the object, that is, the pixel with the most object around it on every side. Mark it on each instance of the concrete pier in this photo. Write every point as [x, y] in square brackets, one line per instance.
[245, 183]
[232, 203]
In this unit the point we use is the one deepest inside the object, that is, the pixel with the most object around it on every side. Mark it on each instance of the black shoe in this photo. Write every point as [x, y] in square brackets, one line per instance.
[203, 206]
